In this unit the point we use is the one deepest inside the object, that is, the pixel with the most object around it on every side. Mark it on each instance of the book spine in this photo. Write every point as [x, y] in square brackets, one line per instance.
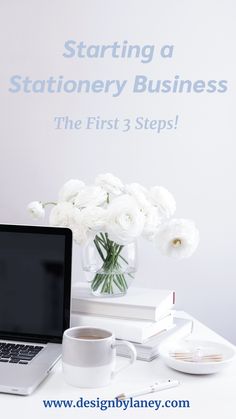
[120, 311]
[121, 331]
[148, 354]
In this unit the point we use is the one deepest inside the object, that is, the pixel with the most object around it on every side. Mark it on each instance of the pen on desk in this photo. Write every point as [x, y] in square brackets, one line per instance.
[151, 389]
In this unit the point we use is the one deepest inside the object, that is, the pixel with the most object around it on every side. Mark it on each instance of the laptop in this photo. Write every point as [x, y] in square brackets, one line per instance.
[35, 283]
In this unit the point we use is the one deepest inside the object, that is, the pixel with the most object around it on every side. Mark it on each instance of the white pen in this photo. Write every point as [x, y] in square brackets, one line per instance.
[158, 386]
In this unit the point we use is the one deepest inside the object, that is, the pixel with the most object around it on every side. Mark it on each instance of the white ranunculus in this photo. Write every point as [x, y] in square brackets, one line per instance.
[152, 221]
[125, 221]
[70, 189]
[90, 196]
[36, 209]
[152, 217]
[177, 238]
[162, 199]
[80, 233]
[135, 188]
[138, 192]
[80, 228]
[110, 183]
[67, 215]
[64, 214]
[90, 221]
[94, 218]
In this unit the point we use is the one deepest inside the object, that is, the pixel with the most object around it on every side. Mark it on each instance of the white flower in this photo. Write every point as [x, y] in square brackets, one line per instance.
[70, 189]
[125, 221]
[162, 199]
[94, 218]
[36, 209]
[90, 196]
[135, 188]
[152, 221]
[90, 221]
[64, 214]
[110, 183]
[177, 238]
[138, 192]
[67, 215]
[152, 217]
[80, 233]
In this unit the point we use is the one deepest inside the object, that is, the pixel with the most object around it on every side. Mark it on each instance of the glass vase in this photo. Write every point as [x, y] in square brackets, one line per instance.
[109, 267]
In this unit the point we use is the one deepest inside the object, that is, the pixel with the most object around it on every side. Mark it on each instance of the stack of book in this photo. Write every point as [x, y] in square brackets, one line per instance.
[143, 316]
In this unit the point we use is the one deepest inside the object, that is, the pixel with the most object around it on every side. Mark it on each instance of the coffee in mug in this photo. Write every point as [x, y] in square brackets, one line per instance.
[89, 356]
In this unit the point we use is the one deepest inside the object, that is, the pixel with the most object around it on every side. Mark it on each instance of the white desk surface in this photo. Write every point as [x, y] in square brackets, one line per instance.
[210, 396]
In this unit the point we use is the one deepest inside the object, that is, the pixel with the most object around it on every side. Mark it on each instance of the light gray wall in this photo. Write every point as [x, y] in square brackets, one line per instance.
[196, 162]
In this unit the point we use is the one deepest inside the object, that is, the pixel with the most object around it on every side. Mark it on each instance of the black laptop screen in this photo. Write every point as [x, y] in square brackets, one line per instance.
[32, 283]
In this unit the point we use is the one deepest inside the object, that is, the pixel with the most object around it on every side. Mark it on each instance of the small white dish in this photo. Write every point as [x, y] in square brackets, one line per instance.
[196, 366]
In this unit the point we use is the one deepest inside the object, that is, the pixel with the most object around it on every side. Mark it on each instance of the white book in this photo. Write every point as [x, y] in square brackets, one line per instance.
[138, 303]
[128, 329]
[150, 349]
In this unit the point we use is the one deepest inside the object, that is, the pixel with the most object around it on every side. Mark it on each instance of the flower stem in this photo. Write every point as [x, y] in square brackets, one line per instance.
[111, 272]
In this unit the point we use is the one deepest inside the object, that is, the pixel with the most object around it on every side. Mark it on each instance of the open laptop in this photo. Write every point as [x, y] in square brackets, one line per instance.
[35, 283]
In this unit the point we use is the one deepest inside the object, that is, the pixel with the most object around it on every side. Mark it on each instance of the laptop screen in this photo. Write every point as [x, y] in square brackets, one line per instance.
[33, 271]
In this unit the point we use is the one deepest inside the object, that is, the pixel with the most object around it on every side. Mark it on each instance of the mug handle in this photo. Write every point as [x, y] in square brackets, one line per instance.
[132, 352]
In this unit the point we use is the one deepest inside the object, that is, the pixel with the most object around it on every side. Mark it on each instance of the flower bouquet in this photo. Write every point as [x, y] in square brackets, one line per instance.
[108, 217]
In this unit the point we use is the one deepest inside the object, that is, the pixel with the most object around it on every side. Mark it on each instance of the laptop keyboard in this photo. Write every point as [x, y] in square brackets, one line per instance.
[15, 353]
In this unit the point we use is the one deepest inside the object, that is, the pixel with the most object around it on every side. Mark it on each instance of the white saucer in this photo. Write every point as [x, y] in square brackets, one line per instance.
[197, 366]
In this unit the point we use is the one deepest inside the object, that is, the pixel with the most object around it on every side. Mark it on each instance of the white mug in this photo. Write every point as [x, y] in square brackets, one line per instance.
[88, 356]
